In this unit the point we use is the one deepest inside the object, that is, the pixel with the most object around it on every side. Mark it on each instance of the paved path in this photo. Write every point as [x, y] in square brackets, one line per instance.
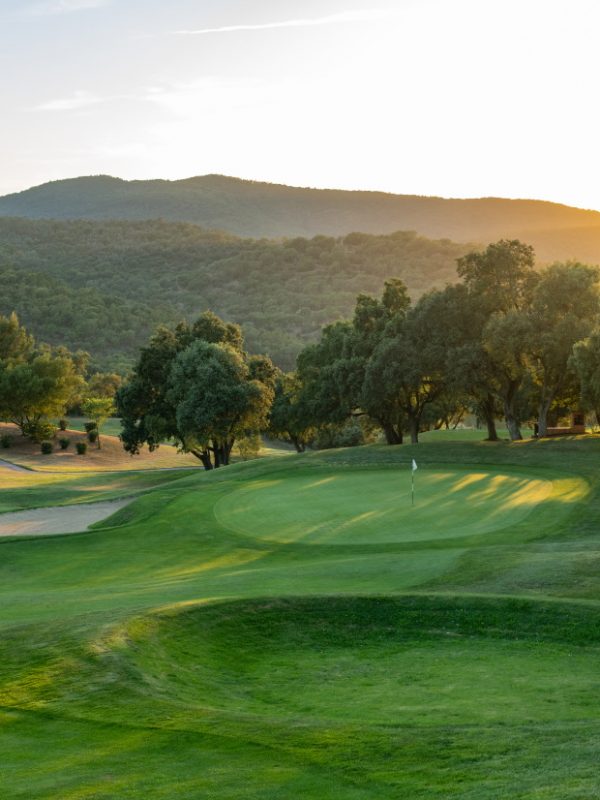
[15, 467]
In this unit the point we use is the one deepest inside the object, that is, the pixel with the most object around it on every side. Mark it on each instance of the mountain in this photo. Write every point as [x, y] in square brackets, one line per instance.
[103, 286]
[254, 209]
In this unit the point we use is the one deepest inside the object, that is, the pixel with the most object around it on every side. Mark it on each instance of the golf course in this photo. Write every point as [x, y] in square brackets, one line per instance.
[294, 627]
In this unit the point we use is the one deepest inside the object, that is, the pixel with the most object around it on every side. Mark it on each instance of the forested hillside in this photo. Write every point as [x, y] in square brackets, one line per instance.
[103, 286]
[110, 328]
[250, 208]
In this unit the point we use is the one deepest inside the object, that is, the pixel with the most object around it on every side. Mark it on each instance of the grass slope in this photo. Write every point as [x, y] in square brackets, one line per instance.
[20, 491]
[167, 654]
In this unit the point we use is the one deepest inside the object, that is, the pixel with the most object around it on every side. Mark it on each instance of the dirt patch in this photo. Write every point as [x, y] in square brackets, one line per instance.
[62, 519]
[110, 457]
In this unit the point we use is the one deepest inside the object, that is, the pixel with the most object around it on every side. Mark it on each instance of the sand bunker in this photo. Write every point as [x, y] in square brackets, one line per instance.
[63, 519]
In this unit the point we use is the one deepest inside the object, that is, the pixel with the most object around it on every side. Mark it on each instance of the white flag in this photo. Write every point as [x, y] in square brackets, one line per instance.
[414, 465]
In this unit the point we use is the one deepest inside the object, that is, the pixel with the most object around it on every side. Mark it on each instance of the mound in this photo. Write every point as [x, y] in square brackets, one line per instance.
[393, 661]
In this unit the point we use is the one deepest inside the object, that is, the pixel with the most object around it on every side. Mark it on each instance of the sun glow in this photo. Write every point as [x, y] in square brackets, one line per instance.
[407, 97]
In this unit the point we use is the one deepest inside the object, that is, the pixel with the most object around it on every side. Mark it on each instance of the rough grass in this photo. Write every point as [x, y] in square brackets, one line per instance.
[25, 490]
[167, 654]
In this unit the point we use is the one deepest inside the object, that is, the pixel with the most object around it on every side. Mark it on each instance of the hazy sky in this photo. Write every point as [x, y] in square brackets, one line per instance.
[460, 98]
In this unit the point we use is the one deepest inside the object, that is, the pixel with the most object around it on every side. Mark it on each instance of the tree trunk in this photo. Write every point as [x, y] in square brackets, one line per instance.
[491, 428]
[222, 452]
[298, 444]
[512, 423]
[514, 430]
[486, 408]
[392, 434]
[544, 406]
[226, 452]
[413, 426]
[204, 457]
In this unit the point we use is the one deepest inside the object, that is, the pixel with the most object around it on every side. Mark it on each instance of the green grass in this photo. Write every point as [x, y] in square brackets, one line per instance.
[464, 435]
[23, 490]
[259, 632]
[374, 506]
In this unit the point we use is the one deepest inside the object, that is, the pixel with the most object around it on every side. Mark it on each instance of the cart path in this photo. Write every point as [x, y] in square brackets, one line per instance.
[16, 467]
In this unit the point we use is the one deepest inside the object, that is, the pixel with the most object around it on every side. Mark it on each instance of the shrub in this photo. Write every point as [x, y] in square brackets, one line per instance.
[90, 426]
[348, 434]
[5, 441]
[62, 424]
[64, 442]
[39, 431]
[249, 446]
[81, 448]
[92, 436]
[47, 448]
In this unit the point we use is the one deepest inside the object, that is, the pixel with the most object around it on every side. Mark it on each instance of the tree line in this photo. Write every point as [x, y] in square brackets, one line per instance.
[38, 383]
[506, 341]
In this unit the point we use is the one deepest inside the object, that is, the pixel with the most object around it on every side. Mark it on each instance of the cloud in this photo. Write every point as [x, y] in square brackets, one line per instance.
[73, 103]
[365, 15]
[205, 94]
[50, 7]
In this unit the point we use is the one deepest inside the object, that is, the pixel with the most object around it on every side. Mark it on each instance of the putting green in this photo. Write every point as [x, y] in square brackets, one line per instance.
[367, 506]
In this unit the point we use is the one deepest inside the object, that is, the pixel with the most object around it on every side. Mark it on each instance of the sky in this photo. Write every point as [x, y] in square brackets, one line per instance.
[454, 98]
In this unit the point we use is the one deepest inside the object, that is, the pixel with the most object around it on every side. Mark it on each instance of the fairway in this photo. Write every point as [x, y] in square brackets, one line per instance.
[292, 628]
[367, 506]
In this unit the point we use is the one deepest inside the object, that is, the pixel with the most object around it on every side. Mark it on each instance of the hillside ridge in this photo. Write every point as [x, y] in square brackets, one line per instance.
[259, 209]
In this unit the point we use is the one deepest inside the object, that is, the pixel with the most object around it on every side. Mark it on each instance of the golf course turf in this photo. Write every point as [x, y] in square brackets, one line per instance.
[294, 628]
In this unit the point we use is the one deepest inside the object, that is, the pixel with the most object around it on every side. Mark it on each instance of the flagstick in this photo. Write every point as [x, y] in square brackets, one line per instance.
[413, 469]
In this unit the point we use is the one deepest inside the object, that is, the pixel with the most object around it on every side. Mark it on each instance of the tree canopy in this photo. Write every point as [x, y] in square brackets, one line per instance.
[196, 385]
[506, 340]
[36, 383]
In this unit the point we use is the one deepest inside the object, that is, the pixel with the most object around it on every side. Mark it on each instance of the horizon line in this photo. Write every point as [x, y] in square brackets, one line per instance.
[295, 186]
